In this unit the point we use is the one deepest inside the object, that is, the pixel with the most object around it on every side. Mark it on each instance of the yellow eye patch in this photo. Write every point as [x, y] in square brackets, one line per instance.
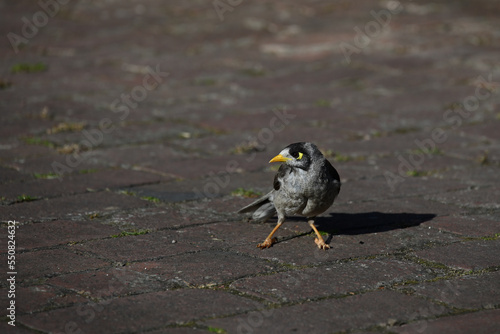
[300, 156]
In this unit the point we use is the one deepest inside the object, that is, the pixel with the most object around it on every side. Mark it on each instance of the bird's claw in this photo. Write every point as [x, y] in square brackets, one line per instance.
[267, 243]
[321, 244]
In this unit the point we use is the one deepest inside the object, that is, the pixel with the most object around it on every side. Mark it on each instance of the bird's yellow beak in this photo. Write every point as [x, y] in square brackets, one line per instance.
[279, 157]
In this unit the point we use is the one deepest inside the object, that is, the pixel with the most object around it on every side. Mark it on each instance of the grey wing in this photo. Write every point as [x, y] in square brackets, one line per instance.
[263, 208]
[256, 204]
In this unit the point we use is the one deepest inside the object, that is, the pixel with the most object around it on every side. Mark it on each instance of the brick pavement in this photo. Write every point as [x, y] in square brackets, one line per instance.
[127, 127]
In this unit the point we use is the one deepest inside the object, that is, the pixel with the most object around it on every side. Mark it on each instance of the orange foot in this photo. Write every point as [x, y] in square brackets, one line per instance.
[267, 243]
[321, 243]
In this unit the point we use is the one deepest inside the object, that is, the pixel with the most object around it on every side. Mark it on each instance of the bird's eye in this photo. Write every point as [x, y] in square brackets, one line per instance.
[296, 154]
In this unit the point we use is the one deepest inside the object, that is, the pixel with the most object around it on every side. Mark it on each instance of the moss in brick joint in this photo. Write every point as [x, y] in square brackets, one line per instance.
[151, 199]
[429, 264]
[130, 233]
[26, 198]
[486, 238]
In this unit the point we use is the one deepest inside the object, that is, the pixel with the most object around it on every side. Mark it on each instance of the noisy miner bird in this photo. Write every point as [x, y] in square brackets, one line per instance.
[306, 184]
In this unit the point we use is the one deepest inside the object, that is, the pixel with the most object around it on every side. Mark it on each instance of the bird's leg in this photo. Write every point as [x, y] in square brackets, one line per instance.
[270, 240]
[319, 240]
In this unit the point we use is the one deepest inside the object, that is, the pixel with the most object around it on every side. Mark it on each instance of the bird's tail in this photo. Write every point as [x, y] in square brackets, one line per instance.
[263, 208]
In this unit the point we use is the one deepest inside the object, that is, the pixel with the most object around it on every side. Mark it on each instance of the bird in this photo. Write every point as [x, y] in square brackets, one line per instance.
[306, 184]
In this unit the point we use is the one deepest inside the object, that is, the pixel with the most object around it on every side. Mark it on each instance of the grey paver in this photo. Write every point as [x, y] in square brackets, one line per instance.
[374, 308]
[156, 309]
[331, 280]
[474, 255]
[469, 292]
[477, 322]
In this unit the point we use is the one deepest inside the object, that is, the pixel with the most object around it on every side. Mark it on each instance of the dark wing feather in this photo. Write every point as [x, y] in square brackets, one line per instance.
[331, 171]
[263, 208]
[282, 171]
[256, 204]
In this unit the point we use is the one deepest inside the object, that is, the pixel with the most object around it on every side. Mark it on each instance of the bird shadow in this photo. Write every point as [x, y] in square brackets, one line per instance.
[361, 223]
[369, 222]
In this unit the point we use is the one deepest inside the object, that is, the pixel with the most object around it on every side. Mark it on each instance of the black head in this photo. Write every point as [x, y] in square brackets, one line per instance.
[299, 155]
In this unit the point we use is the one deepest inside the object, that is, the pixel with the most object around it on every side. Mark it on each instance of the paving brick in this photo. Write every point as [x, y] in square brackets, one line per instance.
[482, 322]
[165, 193]
[81, 183]
[336, 279]
[390, 222]
[149, 246]
[154, 218]
[224, 182]
[397, 214]
[366, 233]
[481, 196]
[485, 157]
[474, 255]
[24, 127]
[9, 175]
[465, 226]
[476, 174]
[361, 311]
[222, 144]
[58, 232]
[181, 330]
[237, 234]
[41, 297]
[229, 205]
[483, 130]
[165, 217]
[146, 156]
[155, 310]
[128, 134]
[108, 282]
[32, 159]
[218, 184]
[419, 205]
[188, 167]
[37, 265]
[6, 328]
[295, 246]
[205, 268]
[77, 206]
[468, 292]
[404, 139]
[406, 186]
